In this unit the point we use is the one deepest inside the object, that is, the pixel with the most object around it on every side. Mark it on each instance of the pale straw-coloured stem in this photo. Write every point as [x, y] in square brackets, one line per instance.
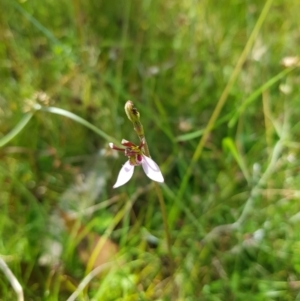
[12, 279]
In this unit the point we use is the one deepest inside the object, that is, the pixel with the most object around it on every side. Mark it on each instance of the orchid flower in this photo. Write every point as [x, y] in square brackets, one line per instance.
[136, 157]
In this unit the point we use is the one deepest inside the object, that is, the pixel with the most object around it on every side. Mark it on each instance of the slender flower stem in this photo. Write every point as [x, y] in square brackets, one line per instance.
[134, 116]
[164, 215]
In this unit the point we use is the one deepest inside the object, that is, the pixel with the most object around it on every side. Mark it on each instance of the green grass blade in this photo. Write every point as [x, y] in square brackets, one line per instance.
[256, 93]
[229, 144]
[36, 23]
[199, 133]
[16, 130]
[80, 120]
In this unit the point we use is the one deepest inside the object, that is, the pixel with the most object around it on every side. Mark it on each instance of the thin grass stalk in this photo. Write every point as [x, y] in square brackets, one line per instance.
[221, 103]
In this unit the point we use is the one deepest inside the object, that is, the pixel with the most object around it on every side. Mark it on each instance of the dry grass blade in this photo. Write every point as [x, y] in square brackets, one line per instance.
[12, 279]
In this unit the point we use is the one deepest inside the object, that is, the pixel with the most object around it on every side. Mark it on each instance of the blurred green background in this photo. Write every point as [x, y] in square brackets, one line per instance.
[232, 198]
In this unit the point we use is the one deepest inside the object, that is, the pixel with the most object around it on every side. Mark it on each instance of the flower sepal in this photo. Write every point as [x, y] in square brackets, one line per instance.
[136, 157]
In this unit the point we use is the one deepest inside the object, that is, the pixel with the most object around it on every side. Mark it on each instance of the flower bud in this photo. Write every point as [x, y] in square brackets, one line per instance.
[131, 112]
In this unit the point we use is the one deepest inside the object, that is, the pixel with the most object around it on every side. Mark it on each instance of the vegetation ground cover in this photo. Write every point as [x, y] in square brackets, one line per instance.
[217, 87]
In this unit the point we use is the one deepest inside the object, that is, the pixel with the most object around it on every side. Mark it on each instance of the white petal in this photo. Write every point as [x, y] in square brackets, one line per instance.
[152, 170]
[125, 174]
